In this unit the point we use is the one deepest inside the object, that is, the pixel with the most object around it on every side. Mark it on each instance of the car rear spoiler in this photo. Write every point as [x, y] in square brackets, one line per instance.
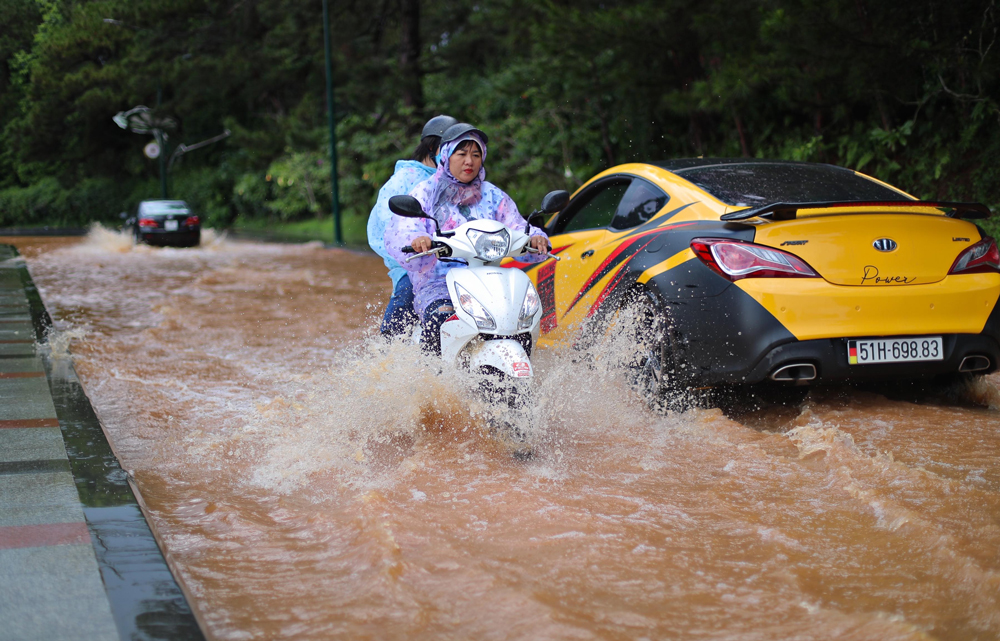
[787, 211]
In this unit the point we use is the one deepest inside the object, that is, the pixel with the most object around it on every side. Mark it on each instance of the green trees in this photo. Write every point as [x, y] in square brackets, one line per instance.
[905, 92]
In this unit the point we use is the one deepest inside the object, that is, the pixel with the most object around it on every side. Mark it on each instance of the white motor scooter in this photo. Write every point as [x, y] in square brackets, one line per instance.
[497, 310]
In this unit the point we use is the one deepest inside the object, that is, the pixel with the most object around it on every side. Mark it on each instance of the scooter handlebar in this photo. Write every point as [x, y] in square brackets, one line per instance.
[437, 247]
[531, 250]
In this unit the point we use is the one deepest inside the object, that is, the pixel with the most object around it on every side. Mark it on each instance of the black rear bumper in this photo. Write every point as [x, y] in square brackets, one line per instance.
[729, 338]
[183, 238]
[829, 356]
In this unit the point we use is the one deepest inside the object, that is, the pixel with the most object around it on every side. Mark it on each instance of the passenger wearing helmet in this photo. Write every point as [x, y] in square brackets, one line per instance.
[457, 193]
[399, 315]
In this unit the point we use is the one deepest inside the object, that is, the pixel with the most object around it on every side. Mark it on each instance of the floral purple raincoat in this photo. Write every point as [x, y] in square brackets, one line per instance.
[452, 203]
[406, 176]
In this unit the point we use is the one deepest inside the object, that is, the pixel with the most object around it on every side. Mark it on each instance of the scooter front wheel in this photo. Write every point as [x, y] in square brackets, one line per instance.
[511, 403]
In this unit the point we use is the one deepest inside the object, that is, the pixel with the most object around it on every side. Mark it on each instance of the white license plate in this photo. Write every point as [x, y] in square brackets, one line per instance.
[894, 350]
[170, 225]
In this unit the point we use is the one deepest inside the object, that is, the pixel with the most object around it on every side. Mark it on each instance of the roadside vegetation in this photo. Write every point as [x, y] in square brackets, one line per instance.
[353, 229]
[906, 92]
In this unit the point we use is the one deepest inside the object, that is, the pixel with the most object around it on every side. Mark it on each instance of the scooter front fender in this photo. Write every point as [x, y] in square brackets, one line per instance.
[505, 355]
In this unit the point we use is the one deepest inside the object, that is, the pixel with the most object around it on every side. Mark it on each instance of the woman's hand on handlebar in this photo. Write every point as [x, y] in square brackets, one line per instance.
[421, 244]
[538, 243]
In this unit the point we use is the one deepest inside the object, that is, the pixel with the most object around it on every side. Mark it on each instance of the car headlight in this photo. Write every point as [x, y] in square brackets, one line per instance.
[528, 308]
[490, 246]
[475, 309]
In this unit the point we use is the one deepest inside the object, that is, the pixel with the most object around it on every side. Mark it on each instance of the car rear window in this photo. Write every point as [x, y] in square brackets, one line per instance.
[165, 207]
[754, 184]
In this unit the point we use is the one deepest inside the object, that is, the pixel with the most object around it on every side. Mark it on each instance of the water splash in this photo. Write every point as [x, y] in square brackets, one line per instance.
[104, 240]
[981, 390]
[380, 406]
[100, 239]
[58, 341]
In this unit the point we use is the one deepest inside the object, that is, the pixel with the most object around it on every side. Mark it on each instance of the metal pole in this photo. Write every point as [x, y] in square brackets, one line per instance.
[162, 141]
[337, 237]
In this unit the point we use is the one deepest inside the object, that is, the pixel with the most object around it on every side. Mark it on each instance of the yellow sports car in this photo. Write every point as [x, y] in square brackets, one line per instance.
[752, 270]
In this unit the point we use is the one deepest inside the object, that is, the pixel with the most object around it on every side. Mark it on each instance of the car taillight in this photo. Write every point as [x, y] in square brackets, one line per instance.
[734, 260]
[191, 221]
[147, 222]
[981, 257]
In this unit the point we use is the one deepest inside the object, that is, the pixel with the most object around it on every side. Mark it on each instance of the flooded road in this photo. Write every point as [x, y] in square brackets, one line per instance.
[312, 483]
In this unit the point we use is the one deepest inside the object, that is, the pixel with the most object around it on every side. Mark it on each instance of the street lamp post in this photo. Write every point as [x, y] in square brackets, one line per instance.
[163, 146]
[142, 121]
[337, 237]
[158, 133]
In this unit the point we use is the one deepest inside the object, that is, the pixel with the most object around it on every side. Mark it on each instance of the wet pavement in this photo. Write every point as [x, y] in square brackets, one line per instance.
[77, 558]
[309, 482]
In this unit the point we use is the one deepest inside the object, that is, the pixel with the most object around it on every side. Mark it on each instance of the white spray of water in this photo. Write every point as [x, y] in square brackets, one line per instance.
[103, 240]
[378, 404]
[58, 342]
[982, 391]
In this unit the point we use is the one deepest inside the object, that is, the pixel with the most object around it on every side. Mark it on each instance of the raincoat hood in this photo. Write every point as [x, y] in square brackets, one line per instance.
[449, 189]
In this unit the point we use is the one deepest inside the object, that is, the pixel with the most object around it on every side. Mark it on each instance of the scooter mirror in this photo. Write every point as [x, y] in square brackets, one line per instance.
[554, 201]
[406, 206]
[409, 207]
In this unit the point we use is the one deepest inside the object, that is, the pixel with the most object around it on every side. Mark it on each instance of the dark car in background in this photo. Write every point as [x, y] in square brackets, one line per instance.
[165, 223]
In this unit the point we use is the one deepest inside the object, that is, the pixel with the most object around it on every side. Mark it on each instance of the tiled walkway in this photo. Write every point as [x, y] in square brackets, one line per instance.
[77, 559]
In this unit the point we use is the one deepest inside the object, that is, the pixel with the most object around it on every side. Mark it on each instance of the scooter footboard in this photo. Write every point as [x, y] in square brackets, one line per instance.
[506, 355]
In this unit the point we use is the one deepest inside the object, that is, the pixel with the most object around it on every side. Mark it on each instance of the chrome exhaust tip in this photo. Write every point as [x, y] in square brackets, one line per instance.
[975, 363]
[794, 373]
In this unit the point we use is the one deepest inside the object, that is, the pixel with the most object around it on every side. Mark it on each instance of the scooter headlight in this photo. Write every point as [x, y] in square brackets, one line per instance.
[490, 246]
[475, 309]
[528, 308]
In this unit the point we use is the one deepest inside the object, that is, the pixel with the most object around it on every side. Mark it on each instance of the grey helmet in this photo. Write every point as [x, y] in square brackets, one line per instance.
[460, 129]
[436, 126]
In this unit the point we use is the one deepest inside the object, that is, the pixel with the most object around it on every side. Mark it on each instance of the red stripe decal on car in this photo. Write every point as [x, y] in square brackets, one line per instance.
[547, 293]
[613, 261]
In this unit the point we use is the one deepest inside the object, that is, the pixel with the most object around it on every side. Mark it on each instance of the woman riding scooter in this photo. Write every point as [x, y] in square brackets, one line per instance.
[457, 193]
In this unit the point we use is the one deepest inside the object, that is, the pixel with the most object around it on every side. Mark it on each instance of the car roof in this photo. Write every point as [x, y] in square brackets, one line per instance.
[746, 182]
[680, 165]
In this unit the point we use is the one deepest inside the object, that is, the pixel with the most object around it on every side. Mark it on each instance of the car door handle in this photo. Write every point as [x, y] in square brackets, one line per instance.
[587, 254]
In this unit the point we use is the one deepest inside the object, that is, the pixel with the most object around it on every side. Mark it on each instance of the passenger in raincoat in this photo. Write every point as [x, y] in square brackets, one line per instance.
[399, 315]
[457, 193]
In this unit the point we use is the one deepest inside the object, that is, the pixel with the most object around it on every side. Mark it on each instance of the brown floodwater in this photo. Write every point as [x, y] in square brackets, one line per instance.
[309, 482]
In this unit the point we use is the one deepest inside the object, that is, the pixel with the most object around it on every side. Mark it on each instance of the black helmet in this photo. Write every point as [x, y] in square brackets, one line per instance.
[453, 132]
[436, 126]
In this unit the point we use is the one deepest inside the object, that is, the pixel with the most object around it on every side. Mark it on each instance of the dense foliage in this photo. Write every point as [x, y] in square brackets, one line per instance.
[907, 92]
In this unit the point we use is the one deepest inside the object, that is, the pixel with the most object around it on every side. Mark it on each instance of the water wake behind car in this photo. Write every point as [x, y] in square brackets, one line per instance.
[312, 483]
